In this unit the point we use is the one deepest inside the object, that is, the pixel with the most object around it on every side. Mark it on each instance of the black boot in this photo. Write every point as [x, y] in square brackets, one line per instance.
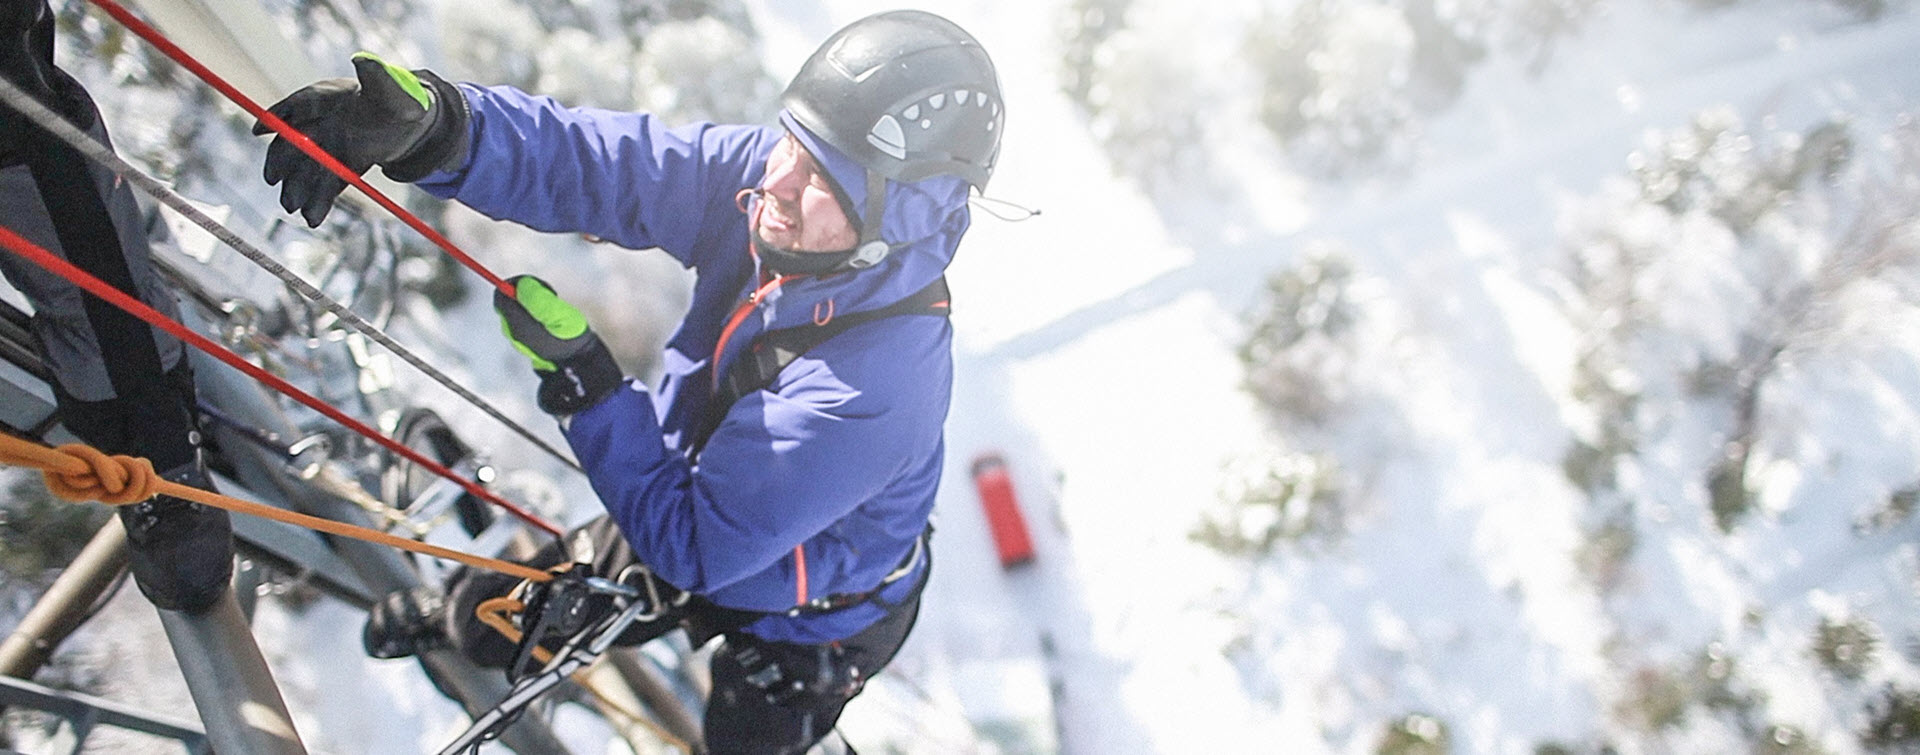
[405, 623]
[182, 551]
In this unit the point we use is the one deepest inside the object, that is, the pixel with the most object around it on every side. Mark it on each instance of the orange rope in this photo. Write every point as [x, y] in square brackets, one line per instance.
[57, 265]
[78, 472]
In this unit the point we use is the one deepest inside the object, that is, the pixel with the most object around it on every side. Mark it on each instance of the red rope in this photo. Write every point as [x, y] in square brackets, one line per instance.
[54, 264]
[298, 139]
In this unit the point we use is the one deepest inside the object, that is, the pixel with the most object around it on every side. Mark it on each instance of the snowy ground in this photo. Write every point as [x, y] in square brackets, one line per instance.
[1095, 351]
[1109, 382]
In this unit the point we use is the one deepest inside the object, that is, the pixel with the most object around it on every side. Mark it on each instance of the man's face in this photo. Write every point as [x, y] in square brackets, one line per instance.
[797, 210]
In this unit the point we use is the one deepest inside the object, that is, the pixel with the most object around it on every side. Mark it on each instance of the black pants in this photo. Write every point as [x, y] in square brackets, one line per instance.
[778, 697]
[768, 697]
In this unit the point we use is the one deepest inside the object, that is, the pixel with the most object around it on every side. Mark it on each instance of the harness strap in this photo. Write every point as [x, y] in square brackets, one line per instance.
[773, 350]
[706, 619]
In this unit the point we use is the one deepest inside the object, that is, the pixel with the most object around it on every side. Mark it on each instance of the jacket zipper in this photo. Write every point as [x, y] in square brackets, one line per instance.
[720, 347]
[739, 316]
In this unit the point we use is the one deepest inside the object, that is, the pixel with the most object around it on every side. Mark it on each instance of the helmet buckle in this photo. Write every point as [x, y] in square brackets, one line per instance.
[869, 254]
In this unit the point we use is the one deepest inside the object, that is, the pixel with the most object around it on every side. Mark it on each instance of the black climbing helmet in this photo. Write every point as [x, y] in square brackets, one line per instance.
[906, 94]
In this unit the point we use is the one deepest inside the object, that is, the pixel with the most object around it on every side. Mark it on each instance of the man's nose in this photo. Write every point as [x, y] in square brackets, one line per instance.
[782, 180]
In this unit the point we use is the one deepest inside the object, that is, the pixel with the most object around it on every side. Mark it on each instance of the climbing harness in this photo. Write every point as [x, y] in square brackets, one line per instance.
[81, 278]
[65, 132]
[843, 601]
[768, 354]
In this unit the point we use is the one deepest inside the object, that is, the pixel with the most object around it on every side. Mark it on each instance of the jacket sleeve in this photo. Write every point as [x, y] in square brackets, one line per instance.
[624, 177]
[781, 468]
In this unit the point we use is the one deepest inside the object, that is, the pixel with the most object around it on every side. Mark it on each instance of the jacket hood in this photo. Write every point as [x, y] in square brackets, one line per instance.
[923, 223]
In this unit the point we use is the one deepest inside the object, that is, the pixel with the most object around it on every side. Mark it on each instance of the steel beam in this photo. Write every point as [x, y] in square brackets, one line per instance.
[381, 569]
[67, 603]
[653, 689]
[84, 712]
[229, 681]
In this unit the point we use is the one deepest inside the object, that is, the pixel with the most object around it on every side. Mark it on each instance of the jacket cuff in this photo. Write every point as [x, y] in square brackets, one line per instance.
[579, 381]
[443, 148]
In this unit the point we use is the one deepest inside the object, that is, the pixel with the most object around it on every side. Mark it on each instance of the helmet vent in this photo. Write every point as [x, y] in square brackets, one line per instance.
[879, 91]
[887, 136]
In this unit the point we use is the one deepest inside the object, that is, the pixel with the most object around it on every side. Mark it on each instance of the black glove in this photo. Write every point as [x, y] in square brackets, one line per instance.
[410, 123]
[575, 368]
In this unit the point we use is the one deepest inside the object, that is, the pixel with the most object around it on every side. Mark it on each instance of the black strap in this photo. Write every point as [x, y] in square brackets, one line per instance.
[919, 560]
[88, 232]
[773, 350]
[705, 619]
[89, 240]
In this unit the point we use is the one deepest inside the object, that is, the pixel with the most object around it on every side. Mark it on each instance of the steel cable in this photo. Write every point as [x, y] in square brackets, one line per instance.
[295, 137]
[18, 244]
[99, 153]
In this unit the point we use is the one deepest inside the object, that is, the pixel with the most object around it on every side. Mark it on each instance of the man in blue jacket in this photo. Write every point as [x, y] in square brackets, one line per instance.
[789, 493]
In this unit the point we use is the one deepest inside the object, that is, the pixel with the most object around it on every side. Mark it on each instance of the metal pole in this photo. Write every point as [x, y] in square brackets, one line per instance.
[239, 40]
[229, 680]
[381, 569]
[657, 694]
[654, 691]
[66, 605]
[86, 711]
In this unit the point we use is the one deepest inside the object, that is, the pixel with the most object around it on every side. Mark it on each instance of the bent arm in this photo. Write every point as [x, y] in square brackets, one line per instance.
[780, 469]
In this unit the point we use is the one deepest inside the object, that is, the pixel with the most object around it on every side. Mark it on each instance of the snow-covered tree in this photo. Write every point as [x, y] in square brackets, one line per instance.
[1740, 284]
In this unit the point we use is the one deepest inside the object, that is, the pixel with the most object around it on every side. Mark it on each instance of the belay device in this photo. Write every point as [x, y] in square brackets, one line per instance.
[563, 607]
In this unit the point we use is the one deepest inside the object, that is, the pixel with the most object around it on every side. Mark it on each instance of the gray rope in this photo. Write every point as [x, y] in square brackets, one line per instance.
[97, 152]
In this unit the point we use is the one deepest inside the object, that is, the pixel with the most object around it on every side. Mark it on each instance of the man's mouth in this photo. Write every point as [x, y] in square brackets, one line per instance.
[773, 219]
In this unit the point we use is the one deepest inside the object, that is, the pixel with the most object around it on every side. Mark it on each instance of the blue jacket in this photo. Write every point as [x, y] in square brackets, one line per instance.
[819, 484]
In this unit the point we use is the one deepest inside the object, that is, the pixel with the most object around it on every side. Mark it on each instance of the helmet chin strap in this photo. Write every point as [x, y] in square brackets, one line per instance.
[870, 250]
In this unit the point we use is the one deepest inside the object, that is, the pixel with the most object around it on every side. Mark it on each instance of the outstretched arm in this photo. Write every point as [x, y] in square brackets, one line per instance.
[625, 177]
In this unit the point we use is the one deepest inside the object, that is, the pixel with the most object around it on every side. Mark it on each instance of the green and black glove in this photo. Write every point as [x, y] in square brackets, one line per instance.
[410, 123]
[575, 368]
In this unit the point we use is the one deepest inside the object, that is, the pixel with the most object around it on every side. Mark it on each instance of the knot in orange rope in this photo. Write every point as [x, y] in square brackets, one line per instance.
[114, 480]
